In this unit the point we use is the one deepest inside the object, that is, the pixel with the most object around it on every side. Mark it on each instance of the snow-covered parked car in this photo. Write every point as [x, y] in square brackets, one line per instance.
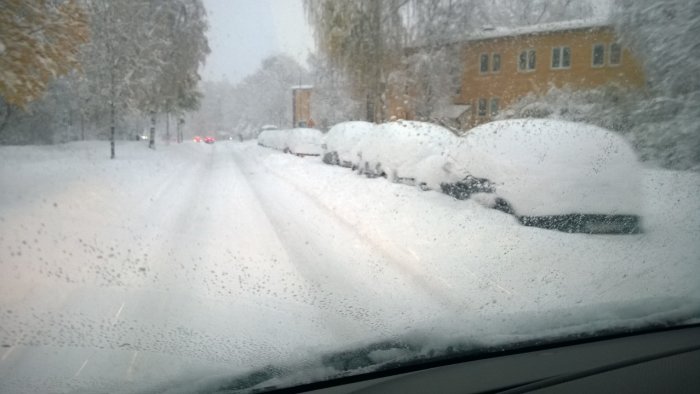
[341, 139]
[298, 141]
[402, 150]
[553, 174]
[268, 127]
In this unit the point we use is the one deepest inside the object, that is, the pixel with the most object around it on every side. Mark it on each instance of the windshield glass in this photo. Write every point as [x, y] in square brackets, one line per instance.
[203, 195]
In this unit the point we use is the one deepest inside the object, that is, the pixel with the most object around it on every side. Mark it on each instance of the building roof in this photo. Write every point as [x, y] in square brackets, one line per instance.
[543, 28]
[493, 32]
[302, 87]
[451, 111]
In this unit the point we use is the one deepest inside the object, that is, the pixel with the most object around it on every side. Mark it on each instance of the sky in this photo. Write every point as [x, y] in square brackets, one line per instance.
[244, 32]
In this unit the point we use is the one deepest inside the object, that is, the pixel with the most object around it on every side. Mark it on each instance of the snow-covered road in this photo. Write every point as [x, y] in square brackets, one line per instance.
[192, 261]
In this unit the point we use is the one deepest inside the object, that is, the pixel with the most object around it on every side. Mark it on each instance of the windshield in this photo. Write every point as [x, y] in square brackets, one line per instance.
[203, 195]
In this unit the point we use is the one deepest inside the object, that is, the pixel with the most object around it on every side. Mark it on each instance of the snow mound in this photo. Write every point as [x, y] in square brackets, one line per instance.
[299, 141]
[398, 149]
[552, 167]
[342, 139]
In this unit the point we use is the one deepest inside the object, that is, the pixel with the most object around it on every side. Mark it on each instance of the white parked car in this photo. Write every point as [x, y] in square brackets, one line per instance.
[299, 141]
[399, 150]
[552, 174]
[268, 127]
[341, 139]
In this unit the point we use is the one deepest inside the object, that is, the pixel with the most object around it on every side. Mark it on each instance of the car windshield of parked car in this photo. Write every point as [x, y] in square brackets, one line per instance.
[214, 195]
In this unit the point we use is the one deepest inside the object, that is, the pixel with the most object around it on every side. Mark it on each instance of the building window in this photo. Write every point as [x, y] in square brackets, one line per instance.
[615, 54]
[561, 57]
[494, 106]
[496, 62]
[484, 63]
[482, 107]
[598, 55]
[526, 60]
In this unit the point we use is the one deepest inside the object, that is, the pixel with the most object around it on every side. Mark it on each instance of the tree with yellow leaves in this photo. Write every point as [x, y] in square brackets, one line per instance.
[39, 41]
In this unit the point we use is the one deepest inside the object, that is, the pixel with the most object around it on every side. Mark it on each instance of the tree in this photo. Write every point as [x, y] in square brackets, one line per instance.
[39, 41]
[364, 39]
[181, 26]
[664, 35]
[263, 97]
[144, 56]
[330, 101]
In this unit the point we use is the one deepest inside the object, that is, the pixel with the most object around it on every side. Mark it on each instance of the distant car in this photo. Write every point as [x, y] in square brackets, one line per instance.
[299, 141]
[224, 136]
[553, 174]
[209, 140]
[341, 139]
[197, 139]
[268, 127]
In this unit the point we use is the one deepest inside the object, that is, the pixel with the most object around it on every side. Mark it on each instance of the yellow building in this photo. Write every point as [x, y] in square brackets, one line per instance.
[502, 66]
[301, 106]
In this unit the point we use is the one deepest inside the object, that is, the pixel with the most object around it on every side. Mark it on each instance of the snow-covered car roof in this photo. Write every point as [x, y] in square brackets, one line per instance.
[399, 146]
[551, 167]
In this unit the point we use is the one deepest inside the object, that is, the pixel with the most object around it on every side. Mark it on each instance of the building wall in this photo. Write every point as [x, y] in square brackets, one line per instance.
[397, 101]
[301, 100]
[510, 84]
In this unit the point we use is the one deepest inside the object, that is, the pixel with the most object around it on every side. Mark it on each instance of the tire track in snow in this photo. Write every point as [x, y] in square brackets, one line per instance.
[341, 325]
[406, 264]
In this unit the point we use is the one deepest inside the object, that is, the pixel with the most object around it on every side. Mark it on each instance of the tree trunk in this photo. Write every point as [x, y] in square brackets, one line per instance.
[167, 128]
[82, 126]
[6, 116]
[152, 133]
[376, 88]
[180, 137]
[112, 117]
[112, 128]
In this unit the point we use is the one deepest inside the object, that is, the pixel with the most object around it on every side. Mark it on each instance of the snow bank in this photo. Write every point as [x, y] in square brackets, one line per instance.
[300, 141]
[550, 167]
[342, 139]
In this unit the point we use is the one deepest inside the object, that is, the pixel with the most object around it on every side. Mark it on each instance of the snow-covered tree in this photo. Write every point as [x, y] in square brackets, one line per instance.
[264, 97]
[144, 55]
[182, 47]
[39, 41]
[330, 101]
[362, 38]
[664, 35]
[142, 58]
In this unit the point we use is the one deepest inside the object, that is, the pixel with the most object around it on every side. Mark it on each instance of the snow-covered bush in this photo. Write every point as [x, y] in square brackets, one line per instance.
[664, 130]
[607, 107]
